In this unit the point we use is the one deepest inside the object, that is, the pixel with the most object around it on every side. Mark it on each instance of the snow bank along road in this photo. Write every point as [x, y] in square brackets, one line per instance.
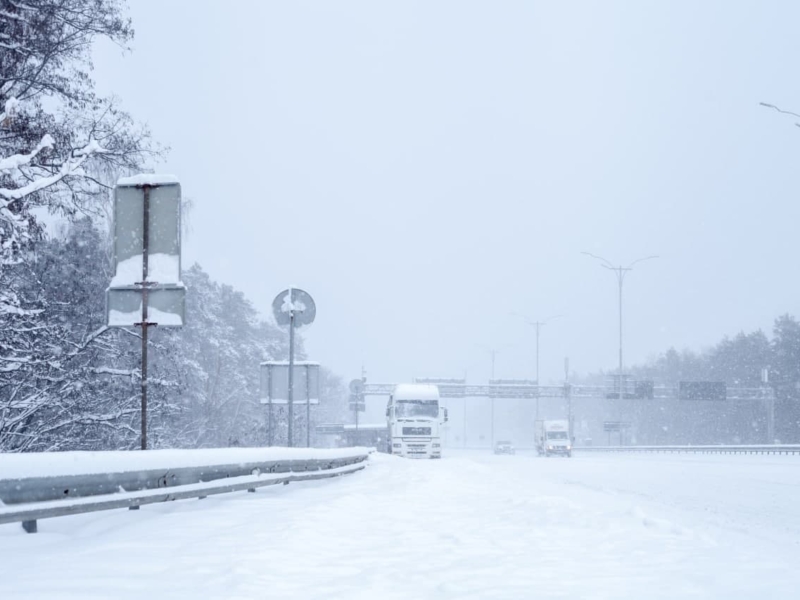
[472, 525]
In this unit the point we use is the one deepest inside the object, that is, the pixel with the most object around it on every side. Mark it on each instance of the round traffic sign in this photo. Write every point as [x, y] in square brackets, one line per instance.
[294, 302]
[356, 387]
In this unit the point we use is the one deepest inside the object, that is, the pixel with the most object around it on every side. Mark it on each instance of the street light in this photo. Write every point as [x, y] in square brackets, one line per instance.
[620, 272]
[780, 110]
[494, 353]
[538, 325]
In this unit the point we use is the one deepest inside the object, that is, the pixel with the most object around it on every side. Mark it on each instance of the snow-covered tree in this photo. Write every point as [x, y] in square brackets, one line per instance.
[206, 374]
[54, 133]
[66, 380]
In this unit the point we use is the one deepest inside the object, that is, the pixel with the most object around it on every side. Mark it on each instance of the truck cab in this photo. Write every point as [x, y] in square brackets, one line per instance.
[414, 419]
[553, 438]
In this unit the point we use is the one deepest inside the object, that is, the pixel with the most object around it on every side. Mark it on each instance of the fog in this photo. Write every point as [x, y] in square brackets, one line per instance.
[425, 170]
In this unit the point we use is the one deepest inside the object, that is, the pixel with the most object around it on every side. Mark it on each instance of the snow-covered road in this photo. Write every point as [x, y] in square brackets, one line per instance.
[472, 525]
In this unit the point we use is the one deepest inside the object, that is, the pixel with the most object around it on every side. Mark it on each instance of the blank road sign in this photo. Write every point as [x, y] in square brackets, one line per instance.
[165, 307]
[164, 244]
[702, 390]
[275, 382]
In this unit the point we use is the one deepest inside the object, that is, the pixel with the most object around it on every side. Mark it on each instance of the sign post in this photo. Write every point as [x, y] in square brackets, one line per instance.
[275, 388]
[147, 283]
[615, 427]
[568, 397]
[356, 402]
[295, 308]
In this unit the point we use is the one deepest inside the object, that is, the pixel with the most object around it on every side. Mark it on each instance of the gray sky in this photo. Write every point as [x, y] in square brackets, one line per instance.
[424, 169]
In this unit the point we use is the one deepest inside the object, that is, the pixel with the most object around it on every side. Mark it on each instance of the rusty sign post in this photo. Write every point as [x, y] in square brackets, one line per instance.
[146, 290]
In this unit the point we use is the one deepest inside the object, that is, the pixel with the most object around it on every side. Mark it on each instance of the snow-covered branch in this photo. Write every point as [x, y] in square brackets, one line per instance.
[18, 161]
[71, 167]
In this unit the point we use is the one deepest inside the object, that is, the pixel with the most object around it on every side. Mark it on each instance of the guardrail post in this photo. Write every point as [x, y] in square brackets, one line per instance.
[30, 526]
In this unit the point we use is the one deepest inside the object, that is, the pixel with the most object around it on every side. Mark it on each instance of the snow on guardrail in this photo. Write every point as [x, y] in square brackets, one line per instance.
[44, 485]
[52, 464]
[701, 449]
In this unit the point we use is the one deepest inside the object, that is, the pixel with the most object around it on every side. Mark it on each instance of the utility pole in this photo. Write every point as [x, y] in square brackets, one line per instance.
[360, 396]
[568, 395]
[465, 421]
[493, 352]
[620, 272]
[494, 355]
[492, 425]
[538, 325]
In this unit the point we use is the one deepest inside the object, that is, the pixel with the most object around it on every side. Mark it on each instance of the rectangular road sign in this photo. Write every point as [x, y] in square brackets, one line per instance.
[275, 382]
[330, 428]
[166, 306]
[614, 426]
[164, 230]
[702, 390]
[156, 200]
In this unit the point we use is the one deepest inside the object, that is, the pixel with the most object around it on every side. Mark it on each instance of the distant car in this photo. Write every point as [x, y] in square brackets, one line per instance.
[504, 448]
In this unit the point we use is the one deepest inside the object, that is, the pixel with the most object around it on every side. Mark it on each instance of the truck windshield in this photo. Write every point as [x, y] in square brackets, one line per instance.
[556, 435]
[405, 409]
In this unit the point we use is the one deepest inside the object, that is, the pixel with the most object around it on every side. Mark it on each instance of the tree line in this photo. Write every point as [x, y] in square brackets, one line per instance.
[739, 361]
[66, 380]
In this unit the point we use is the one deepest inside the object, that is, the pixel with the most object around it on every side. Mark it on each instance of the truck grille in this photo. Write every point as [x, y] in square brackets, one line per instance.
[416, 430]
[417, 448]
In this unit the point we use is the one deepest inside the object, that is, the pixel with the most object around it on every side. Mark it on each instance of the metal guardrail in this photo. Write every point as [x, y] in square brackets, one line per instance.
[742, 449]
[26, 500]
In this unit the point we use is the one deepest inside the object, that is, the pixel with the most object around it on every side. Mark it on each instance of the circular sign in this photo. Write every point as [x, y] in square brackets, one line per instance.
[356, 387]
[294, 302]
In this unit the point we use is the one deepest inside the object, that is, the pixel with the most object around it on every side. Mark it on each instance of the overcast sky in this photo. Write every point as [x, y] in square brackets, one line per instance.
[424, 169]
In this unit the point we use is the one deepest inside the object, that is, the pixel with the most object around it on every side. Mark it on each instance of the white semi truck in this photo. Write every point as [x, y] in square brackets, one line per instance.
[414, 421]
[553, 437]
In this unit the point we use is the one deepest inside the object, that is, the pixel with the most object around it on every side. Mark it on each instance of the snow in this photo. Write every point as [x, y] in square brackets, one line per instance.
[129, 271]
[11, 106]
[72, 167]
[118, 318]
[93, 147]
[148, 179]
[416, 391]
[256, 480]
[44, 464]
[161, 268]
[165, 319]
[285, 363]
[472, 525]
[285, 401]
[19, 160]
[289, 306]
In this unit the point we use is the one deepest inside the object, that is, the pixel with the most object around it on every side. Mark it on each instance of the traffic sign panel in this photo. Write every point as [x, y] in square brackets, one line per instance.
[296, 303]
